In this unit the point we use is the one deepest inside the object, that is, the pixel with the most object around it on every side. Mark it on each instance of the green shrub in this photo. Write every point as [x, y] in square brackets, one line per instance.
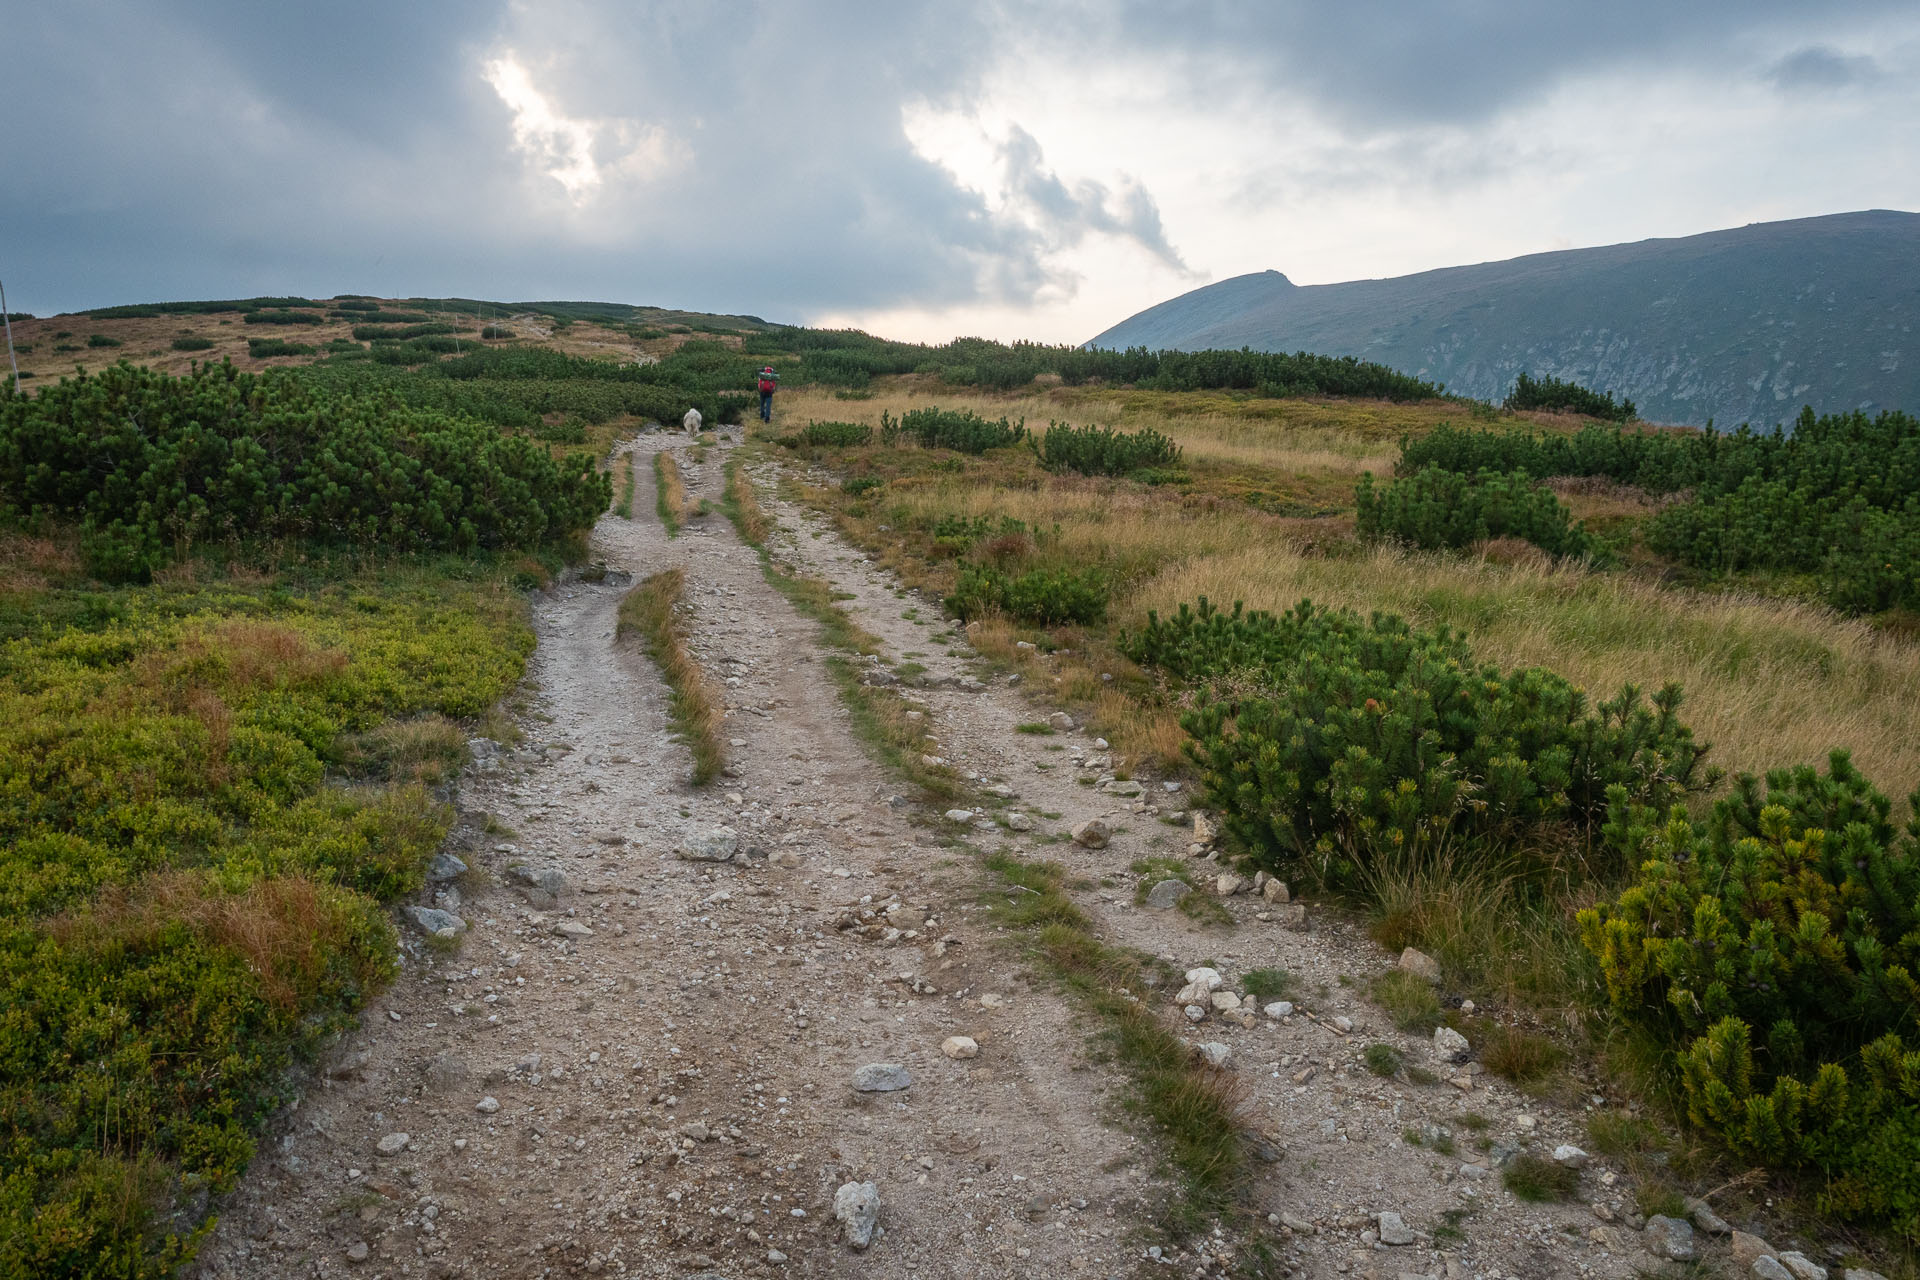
[1774, 948]
[152, 464]
[1551, 393]
[276, 316]
[102, 340]
[836, 435]
[496, 331]
[1102, 451]
[192, 344]
[1325, 740]
[400, 332]
[186, 908]
[1837, 498]
[1435, 509]
[1043, 597]
[856, 486]
[263, 348]
[958, 429]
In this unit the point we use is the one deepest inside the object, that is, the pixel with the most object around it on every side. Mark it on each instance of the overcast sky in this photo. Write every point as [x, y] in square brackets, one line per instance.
[920, 170]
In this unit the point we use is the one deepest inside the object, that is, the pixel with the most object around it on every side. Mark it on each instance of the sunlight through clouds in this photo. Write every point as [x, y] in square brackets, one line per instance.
[563, 147]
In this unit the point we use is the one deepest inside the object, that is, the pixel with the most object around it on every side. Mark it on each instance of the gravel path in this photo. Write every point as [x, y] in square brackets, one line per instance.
[642, 1066]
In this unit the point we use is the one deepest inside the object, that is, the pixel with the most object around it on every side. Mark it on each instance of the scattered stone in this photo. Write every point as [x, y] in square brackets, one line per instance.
[435, 922]
[1705, 1218]
[393, 1144]
[1195, 1012]
[960, 1047]
[1525, 1123]
[717, 844]
[1167, 894]
[1208, 975]
[1299, 1226]
[1225, 1000]
[357, 1251]
[1019, 822]
[350, 1065]
[1420, 965]
[881, 1077]
[1092, 834]
[961, 816]
[1229, 883]
[1194, 993]
[487, 1105]
[1275, 891]
[1060, 722]
[1858, 1273]
[1393, 1230]
[1291, 915]
[1279, 1009]
[1769, 1269]
[546, 879]
[1123, 787]
[1570, 1156]
[1749, 1248]
[787, 858]
[447, 1071]
[1670, 1238]
[1204, 832]
[1215, 1053]
[445, 867]
[1450, 1046]
[1802, 1267]
[857, 1204]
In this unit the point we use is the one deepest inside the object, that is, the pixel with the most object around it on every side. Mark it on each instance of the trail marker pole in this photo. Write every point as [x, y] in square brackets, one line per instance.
[7, 319]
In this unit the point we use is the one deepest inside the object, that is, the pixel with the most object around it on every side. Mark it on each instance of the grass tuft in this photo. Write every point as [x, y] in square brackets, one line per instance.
[1409, 1000]
[1538, 1179]
[1523, 1057]
[649, 611]
[671, 493]
[1384, 1059]
[624, 508]
[1266, 985]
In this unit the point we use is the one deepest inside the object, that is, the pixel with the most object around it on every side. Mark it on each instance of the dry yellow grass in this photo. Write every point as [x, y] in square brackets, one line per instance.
[671, 493]
[1768, 682]
[650, 610]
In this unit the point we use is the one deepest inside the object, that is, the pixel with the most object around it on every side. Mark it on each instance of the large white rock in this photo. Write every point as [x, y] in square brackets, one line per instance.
[960, 1047]
[717, 844]
[1450, 1046]
[857, 1206]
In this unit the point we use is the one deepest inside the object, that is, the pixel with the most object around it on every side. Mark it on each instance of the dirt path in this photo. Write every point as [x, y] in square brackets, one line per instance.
[673, 1088]
[673, 1084]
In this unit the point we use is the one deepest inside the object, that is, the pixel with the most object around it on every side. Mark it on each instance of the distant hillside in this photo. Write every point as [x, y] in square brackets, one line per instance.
[1738, 326]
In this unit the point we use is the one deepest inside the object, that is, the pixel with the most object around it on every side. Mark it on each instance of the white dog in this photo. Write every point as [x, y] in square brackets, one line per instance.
[691, 422]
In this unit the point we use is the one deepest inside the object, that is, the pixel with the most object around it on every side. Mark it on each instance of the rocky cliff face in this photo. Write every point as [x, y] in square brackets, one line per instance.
[1734, 326]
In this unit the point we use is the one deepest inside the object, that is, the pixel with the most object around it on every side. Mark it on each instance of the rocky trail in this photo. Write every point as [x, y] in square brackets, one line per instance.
[636, 1060]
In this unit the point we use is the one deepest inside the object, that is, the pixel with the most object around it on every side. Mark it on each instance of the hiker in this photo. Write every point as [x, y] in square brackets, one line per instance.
[769, 383]
[691, 422]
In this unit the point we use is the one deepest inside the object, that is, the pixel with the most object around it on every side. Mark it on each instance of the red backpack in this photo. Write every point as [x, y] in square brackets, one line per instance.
[767, 382]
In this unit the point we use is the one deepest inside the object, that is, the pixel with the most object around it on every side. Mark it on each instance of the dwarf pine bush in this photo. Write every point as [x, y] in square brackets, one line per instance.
[1552, 393]
[1044, 597]
[1775, 949]
[959, 429]
[1102, 451]
[1326, 740]
[1434, 509]
[151, 465]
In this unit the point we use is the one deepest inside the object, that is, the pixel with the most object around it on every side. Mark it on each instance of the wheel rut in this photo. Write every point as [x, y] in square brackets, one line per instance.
[642, 1066]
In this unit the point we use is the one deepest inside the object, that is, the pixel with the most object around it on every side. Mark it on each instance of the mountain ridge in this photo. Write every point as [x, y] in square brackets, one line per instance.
[1745, 324]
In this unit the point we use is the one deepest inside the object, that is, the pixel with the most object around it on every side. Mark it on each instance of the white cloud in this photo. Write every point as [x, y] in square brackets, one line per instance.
[567, 148]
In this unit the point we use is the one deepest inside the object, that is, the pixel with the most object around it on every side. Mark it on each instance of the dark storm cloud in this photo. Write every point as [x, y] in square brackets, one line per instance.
[750, 156]
[1399, 63]
[1820, 67]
